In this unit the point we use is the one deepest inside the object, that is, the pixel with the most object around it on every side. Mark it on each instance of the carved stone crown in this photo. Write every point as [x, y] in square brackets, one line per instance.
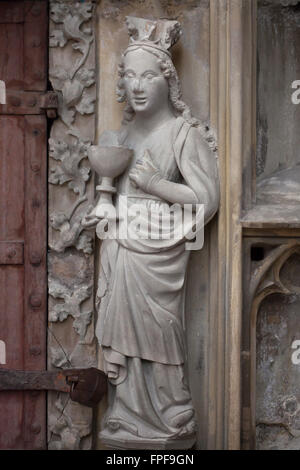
[160, 34]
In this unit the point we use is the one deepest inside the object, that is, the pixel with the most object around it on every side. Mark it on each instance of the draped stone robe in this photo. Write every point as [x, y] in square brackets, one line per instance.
[140, 297]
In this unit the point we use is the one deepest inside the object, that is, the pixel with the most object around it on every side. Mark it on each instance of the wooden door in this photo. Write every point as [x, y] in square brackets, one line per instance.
[23, 200]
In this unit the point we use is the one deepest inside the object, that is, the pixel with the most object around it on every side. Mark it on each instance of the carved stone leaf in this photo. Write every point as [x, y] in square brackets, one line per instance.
[78, 184]
[67, 115]
[60, 312]
[57, 290]
[86, 104]
[83, 292]
[71, 306]
[58, 78]
[69, 227]
[69, 427]
[86, 77]
[85, 10]
[87, 31]
[72, 91]
[74, 21]
[80, 46]
[57, 38]
[85, 243]
[58, 149]
[69, 170]
[58, 358]
[57, 425]
[58, 176]
[58, 12]
[81, 324]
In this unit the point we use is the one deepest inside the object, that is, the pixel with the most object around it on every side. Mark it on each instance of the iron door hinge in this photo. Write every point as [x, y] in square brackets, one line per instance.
[85, 386]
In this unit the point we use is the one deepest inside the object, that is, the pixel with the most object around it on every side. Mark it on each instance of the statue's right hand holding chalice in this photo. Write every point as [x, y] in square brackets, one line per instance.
[108, 162]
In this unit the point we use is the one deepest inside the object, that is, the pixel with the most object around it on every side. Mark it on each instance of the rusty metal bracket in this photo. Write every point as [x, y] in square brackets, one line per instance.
[49, 103]
[85, 386]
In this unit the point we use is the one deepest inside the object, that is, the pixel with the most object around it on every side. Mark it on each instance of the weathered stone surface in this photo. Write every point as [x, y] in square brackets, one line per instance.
[70, 262]
[278, 40]
[278, 389]
[282, 187]
[271, 326]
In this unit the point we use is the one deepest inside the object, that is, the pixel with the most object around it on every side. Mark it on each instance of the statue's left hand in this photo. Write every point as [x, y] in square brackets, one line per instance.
[145, 174]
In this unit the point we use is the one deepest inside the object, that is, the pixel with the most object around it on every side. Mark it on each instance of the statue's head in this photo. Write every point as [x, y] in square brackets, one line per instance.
[145, 86]
[148, 78]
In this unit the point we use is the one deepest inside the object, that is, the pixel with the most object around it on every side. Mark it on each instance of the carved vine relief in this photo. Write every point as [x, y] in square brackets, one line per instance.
[72, 75]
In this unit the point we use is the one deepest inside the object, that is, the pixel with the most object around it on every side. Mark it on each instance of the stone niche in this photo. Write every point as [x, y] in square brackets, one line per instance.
[191, 58]
[277, 375]
[271, 391]
[278, 119]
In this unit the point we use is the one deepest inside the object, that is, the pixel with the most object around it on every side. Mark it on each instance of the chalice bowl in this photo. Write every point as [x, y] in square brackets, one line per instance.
[108, 163]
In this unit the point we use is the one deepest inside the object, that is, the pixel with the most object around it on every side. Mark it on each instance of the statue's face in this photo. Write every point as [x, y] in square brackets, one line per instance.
[146, 88]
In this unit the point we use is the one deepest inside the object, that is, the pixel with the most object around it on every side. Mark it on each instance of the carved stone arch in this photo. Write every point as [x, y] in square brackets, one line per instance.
[292, 287]
[265, 281]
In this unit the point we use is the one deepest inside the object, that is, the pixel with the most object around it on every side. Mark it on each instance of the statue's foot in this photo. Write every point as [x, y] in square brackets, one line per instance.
[181, 419]
[115, 425]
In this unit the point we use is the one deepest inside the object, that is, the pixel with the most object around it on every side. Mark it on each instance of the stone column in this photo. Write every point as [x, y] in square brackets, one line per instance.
[233, 74]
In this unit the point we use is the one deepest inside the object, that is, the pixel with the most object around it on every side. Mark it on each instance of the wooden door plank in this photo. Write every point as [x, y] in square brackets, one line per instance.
[11, 315]
[35, 292]
[11, 55]
[12, 228]
[11, 178]
[11, 332]
[12, 413]
[35, 45]
[11, 12]
[23, 198]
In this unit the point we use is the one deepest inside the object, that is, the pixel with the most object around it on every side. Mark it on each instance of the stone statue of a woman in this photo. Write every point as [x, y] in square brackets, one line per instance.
[140, 296]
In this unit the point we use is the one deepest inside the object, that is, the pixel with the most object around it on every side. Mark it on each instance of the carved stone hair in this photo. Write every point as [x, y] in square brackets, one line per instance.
[180, 108]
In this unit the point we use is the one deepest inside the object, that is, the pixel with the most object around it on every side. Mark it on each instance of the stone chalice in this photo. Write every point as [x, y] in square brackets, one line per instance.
[108, 162]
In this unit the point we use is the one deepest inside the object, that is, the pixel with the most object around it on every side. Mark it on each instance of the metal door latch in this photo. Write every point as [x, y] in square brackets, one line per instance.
[85, 386]
[49, 103]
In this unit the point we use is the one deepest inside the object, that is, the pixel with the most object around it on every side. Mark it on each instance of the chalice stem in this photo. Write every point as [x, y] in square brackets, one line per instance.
[104, 207]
